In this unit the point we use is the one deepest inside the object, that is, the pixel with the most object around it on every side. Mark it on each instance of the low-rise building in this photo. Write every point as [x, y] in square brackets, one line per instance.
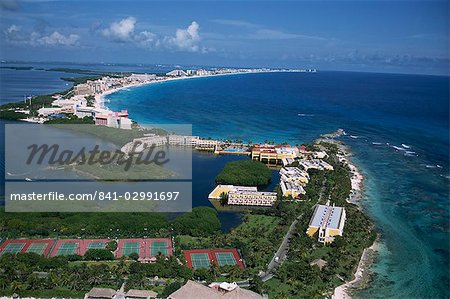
[252, 198]
[273, 154]
[315, 164]
[243, 195]
[182, 140]
[290, 174]
[140, 294]
[100, 293]
[195, 290]
[82, 111]
[294, 189]
[118, 120]
[328, 221]
[176, 73]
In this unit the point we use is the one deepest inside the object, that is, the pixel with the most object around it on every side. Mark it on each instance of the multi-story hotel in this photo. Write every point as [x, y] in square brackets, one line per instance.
[292, 181]
[293, 189]
[273, 154]
[242, 195]
[253, 198]
[328, 221]
[290, 174]
[315, 164]
[118, 120]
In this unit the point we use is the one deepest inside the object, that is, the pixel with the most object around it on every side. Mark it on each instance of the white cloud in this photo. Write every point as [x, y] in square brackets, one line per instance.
[186, 39]
[270, 34]
[146, 38]
[12, 29]
[54, 39]
[121, 31]
[237, 23]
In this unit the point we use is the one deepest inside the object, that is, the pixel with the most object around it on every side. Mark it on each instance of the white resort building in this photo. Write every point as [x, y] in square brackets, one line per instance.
[244, 196]
[315, 164]
[328, 221]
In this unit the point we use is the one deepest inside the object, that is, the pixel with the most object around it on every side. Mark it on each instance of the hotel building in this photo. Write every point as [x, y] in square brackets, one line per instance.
[328, 221]
[118, 120]
[245, 196]
[315, 164]
[273, 154]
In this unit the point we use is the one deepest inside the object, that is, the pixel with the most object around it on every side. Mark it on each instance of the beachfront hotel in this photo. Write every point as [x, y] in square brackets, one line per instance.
[315, 164]
[118, 120]
[328, 221]
[244, 196]
[292, 181]
[273, 154]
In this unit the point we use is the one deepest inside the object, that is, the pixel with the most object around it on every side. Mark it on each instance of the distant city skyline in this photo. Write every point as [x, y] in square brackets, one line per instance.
[401, 37]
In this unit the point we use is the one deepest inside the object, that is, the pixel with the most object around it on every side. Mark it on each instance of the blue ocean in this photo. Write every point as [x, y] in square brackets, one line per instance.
[398, 130]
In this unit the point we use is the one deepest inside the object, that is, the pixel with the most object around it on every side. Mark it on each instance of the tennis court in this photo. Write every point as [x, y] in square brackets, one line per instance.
[96, 245]
[159, 246]
[200, 260]
[130, 247]
[37, 247]
[225, 258]
[13, 248]
[67, 248]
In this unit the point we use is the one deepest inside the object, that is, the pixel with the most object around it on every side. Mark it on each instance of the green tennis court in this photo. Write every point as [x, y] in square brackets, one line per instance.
[67, 248]
[96, 245]
[38, 248]
[157, 247]
[130, 247]
[13, 248]
[200, 260]
[225, 258]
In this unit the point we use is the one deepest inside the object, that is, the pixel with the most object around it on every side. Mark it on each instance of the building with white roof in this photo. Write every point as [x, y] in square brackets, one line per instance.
[176, 73]
[328, 221]
[315, 164]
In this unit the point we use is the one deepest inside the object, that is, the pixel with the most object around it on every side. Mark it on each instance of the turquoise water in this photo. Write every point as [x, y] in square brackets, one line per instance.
[399, 134]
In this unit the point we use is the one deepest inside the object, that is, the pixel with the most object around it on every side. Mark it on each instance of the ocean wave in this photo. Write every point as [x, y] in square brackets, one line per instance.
[304, 114]
[377, 143]
[406, 146]
[410, 154]
[398, 148]
[354, 136]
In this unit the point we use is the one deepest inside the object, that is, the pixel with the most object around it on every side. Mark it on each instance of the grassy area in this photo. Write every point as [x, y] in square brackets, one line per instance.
[258, 238]
[117, 136]
[115, 172]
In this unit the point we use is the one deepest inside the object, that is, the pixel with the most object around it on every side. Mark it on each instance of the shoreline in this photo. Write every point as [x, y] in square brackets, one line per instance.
[362, 274]
[100, 98]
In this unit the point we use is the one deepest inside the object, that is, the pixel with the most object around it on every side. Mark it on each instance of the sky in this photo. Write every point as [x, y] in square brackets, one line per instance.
[376, 36]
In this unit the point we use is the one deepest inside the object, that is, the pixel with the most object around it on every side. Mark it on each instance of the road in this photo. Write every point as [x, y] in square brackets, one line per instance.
[281, 252]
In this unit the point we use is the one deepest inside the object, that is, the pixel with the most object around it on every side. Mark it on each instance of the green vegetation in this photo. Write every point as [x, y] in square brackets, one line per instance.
[12, 115]
[89, 72]
[117, 136]
[81, 80]
[114, 171]
[296, 278]
[98, 255]
[245, 173]
[258, 239]
[202, 221]
[18, 68]
[111, 245]
[71, 119]
[33, 104]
